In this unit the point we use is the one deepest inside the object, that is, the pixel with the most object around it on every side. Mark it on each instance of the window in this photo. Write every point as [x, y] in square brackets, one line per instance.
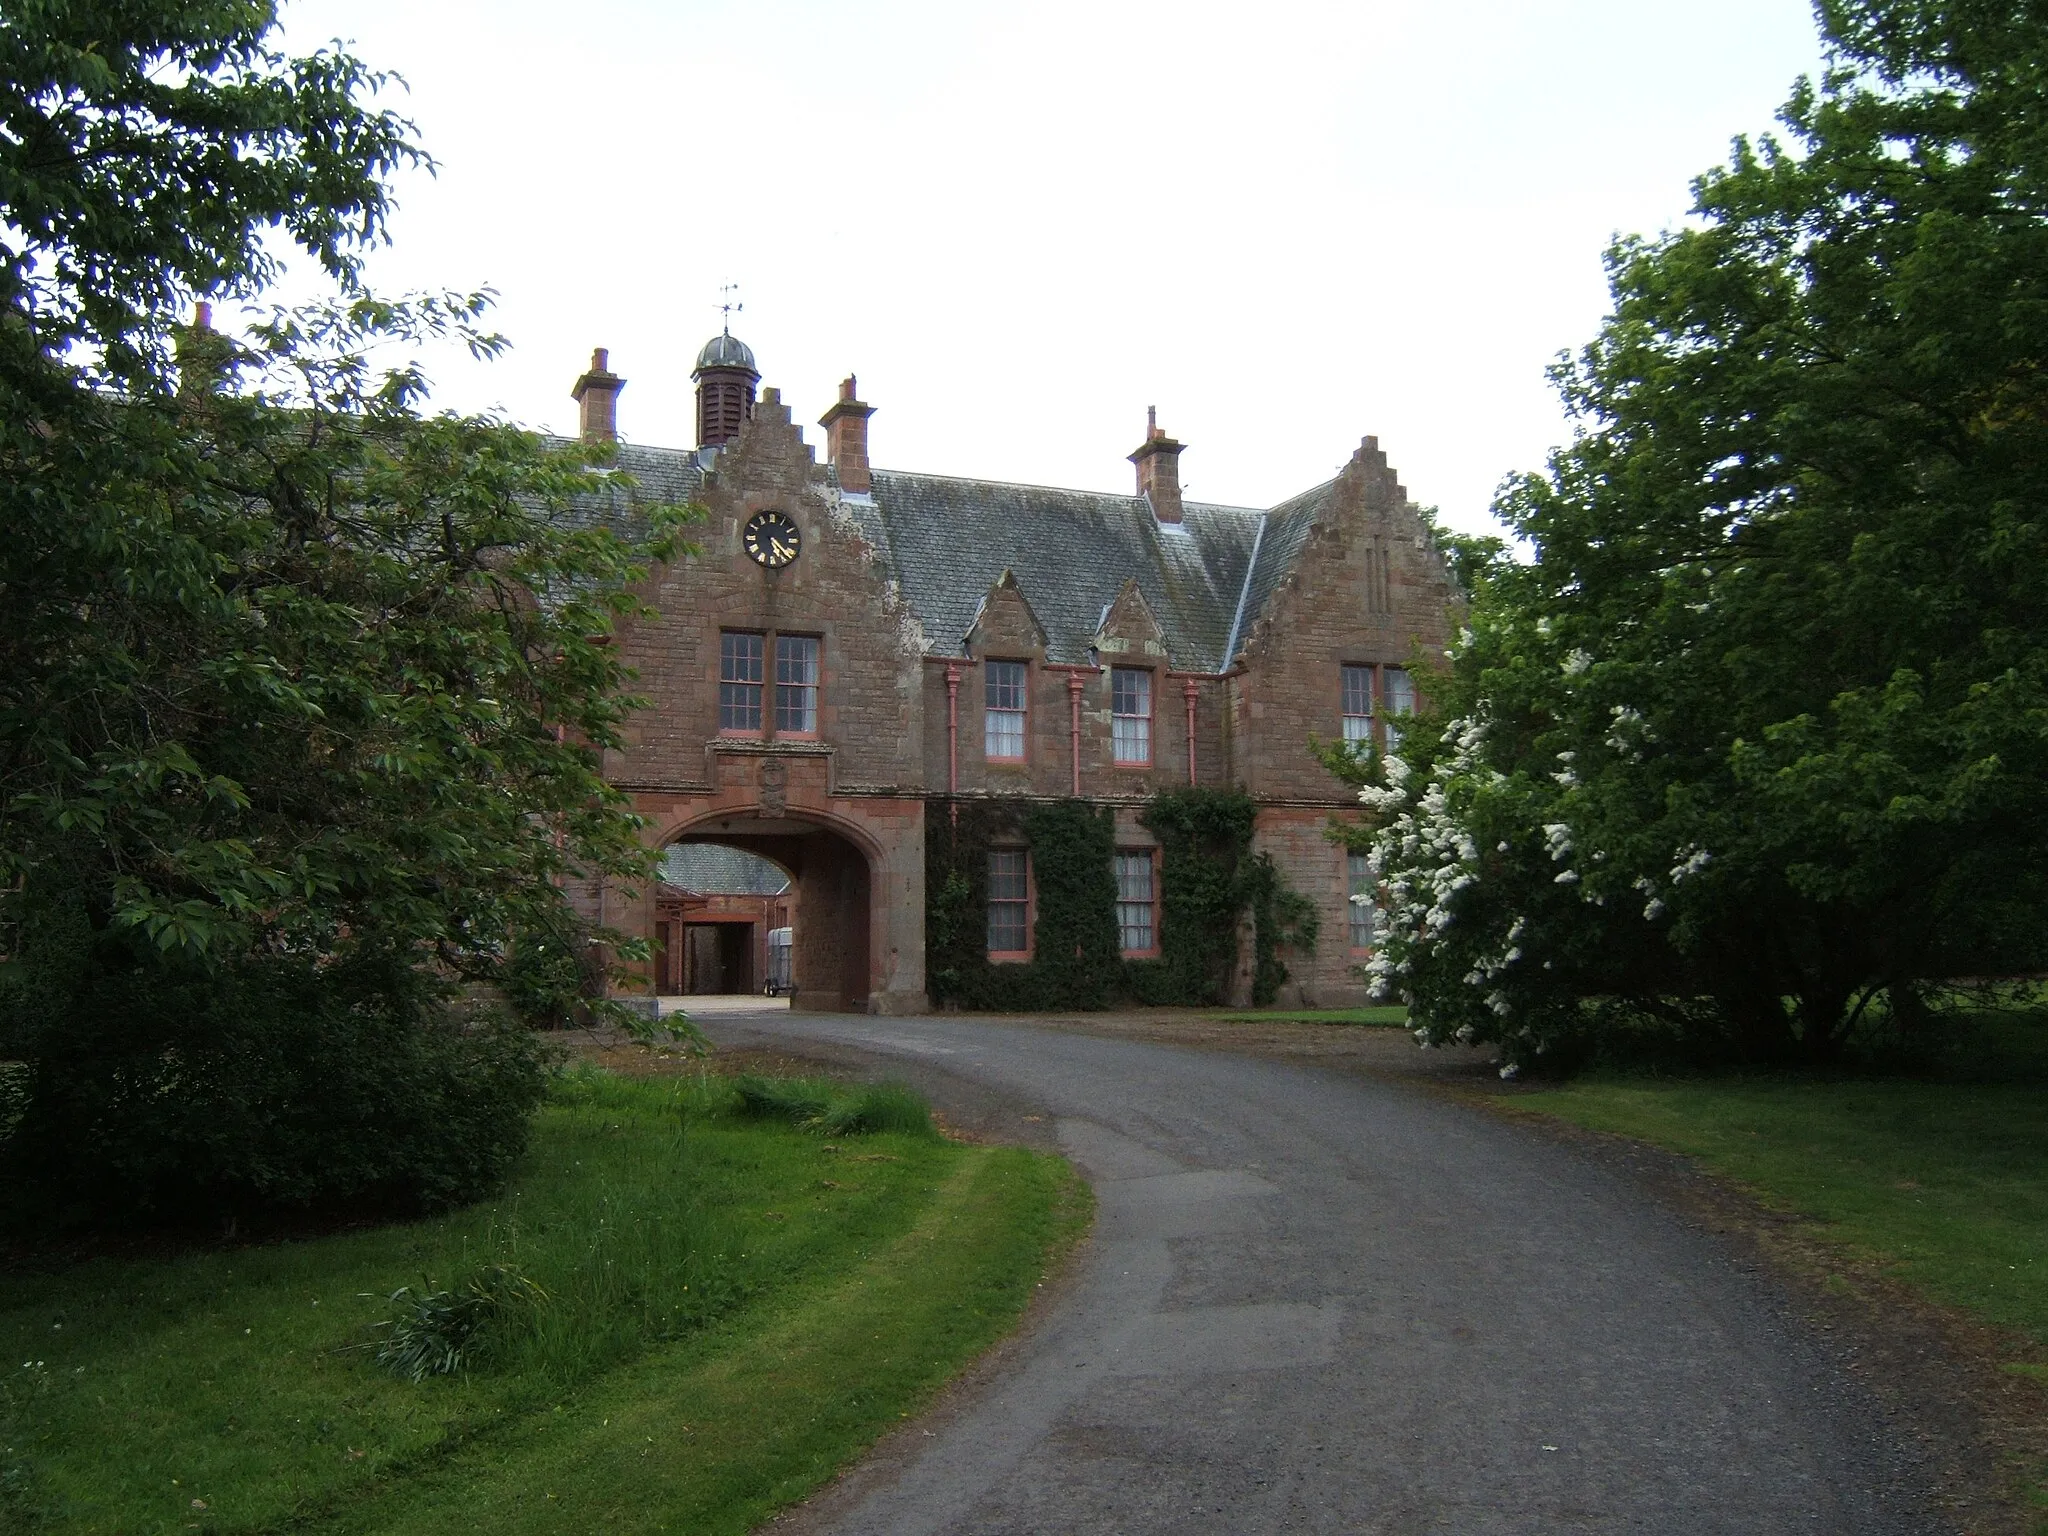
[1400, 701]
[796, 684]
[1358, 704]
[739, 681]
[1009, 903]
[1130, 716]
[1136, 902]
[1003, 711]
[1365, 912]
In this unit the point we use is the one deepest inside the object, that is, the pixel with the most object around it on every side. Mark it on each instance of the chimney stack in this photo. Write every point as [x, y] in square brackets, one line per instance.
[205, 357]
[597, 397]
[1158, 461]
[846, 439]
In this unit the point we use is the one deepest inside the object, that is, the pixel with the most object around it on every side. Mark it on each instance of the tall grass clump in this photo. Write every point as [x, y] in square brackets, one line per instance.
[563, 1295]
[836, 1109]
[644, 1258]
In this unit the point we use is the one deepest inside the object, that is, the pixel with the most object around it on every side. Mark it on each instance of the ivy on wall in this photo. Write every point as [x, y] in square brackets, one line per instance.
[1075, 957]
[1211, 886]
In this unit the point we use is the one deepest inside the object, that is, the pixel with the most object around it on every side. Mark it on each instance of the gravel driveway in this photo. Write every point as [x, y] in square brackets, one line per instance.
[1322, 1302]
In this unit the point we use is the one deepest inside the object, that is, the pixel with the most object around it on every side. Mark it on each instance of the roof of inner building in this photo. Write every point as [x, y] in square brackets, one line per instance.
[946, 541]
[711, 869]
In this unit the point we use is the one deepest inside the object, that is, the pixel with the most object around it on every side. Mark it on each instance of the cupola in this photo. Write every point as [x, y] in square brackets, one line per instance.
[726, 377]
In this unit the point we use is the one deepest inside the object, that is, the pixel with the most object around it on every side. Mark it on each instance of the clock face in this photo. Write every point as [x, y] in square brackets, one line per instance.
[771, 539]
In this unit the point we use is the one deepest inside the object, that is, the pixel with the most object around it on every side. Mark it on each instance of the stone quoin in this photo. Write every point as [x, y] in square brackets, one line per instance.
[852, 640]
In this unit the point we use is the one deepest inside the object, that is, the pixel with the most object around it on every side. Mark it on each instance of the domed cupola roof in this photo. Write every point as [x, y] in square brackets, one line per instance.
[727, 351]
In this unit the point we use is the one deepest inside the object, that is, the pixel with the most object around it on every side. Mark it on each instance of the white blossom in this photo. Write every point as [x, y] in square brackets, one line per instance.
[1691, 862]
[1575, 662]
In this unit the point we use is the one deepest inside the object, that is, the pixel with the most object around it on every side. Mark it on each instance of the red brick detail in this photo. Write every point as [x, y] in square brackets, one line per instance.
[846, 439]
[597, 400]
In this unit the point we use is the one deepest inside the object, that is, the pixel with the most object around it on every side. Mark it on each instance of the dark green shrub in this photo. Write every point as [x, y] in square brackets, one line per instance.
[151, 1090]
[554, 972]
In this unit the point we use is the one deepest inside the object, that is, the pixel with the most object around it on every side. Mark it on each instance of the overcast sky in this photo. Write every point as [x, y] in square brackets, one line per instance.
[1285, 224]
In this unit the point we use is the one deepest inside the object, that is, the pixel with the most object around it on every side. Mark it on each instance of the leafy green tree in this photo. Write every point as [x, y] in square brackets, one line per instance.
[1760, 735]
[302, 688]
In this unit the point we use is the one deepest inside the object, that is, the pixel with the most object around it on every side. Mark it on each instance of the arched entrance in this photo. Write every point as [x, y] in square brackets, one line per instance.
[831, 961]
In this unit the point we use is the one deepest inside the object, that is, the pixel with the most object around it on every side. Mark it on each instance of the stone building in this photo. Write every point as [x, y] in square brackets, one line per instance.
[853, 640]
[717, 912]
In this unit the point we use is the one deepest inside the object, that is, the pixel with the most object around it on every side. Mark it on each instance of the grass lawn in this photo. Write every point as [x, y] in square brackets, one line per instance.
[1393, 1017]
[1944, 1179]
[735, 1306]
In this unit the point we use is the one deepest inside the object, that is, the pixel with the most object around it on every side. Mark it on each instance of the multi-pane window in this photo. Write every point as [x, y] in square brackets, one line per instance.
[1009, 902]
[1358, 704]
[796, 684]
[1400, 701]
[1003, 710]
[1364, 904]
[1130, 716]
[1137, 902]
[739, 681]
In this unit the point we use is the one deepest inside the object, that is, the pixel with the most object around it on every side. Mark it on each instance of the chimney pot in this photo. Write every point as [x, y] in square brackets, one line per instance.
[846, 439]
[202, 317]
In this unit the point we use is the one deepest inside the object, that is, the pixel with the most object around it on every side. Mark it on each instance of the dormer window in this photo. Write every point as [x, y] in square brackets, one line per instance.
[1003, 710]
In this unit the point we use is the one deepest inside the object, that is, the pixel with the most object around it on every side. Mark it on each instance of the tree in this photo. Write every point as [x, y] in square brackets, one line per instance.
[302, 689]
[1760, 735]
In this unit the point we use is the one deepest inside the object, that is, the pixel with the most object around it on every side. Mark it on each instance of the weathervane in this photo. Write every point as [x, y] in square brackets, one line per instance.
[729, 306]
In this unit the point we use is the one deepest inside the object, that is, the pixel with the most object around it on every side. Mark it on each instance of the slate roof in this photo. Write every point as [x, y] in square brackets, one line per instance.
[710, 869]
[946, 541]
[949, 541]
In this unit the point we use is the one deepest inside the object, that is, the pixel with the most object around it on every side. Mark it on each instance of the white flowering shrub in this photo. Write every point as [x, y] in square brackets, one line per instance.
[1751, 747]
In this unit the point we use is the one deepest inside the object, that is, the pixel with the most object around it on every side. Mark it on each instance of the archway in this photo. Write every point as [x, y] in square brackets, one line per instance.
[831, 959]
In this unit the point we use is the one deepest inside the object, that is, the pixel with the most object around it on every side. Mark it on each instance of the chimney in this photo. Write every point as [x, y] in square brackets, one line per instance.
[597, 397]
[1158, 461]
[205, 357]
[846, 439]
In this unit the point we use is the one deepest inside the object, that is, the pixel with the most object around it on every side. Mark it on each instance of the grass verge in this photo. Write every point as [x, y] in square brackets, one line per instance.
[1392, 1017]
[735, 1306]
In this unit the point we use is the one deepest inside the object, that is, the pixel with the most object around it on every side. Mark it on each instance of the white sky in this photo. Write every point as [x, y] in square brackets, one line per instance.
[1285, 224]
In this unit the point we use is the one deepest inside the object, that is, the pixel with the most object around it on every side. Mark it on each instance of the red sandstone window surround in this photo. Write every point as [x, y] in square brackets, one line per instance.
[1005, 687]
[1358, 705]
[1137, 902]
[796, 685]
[1009, 904]
[1130, 722]
[740, 681]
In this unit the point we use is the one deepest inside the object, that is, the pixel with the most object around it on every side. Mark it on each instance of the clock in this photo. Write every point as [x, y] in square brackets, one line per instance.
[771, 539]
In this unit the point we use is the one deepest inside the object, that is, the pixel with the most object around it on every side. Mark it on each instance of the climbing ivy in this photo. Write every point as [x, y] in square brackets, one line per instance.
[1211, 885]
[1075, 957]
